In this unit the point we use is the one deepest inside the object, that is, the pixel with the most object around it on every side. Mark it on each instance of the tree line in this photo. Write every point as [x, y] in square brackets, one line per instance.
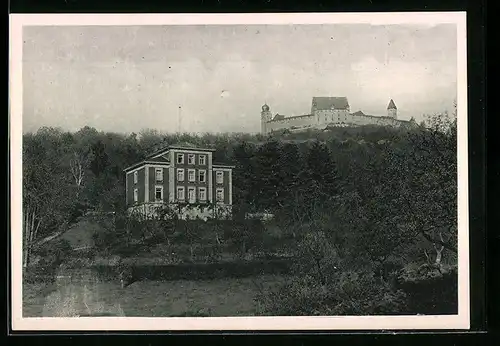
[353, 200]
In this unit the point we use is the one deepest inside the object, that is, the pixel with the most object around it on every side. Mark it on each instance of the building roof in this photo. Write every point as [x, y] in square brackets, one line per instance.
[221, 164]
[187, 145]
[358, 113]
[282, 117]
[392, 105]
[159, 159]
[279, 117]
[183, 145]
[156, 160]
[324, 103]
[180, 145]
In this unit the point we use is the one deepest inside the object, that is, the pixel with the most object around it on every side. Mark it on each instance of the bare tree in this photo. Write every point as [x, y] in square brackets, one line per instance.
[31, 225]
[78, 165]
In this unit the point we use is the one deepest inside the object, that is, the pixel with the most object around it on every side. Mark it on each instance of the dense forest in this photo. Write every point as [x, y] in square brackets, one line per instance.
[367, 205]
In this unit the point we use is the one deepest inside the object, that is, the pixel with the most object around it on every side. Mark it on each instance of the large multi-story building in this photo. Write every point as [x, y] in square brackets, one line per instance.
[329, 111]
[183, 177]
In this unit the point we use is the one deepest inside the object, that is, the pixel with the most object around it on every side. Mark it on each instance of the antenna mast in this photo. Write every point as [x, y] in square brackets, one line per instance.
[179, 123]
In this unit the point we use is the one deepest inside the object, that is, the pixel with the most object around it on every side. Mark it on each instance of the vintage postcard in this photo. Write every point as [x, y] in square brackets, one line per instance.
[239, 172]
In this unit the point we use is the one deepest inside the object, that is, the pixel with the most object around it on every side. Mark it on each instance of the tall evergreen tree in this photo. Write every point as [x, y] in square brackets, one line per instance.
[243, 155]
[100, 159]
[289, 164]
[320, 172]
[268, 175]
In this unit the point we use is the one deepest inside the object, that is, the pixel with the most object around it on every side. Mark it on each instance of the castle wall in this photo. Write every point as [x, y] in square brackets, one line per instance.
[329, 117]
[287, 123]
[361, 120]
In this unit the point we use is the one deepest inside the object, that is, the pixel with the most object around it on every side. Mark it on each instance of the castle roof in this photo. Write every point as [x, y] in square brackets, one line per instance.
[324, 103]
[392, 105]
[358, 113]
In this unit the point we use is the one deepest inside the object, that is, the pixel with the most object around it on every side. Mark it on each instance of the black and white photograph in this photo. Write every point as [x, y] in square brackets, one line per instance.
[240, 172]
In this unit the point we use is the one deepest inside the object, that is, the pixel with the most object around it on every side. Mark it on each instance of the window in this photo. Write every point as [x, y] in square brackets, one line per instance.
[219, 177]
[180, 174]
[159, 174]
[202, 193]
[202, 176]
[191, 194]
[191, 159]
[159, 193]
[202, 160]
[220, 195]
[136, 195]
[191, 175]
[180, 158]
[180, 193]
[136, 177]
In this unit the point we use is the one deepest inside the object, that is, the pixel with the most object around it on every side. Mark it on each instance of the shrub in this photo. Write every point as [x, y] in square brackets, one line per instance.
[430, 291]
[324, 283]
[353, 293]
[52, 254]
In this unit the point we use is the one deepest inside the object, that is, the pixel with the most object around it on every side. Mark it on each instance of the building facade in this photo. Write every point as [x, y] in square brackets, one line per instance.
[185, 179]
[329, 111]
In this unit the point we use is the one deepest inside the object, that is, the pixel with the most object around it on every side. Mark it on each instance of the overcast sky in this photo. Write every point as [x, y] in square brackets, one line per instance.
[123, 79]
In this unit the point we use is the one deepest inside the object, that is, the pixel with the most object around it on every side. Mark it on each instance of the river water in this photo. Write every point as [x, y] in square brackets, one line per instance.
[84, 292]
[79, 294]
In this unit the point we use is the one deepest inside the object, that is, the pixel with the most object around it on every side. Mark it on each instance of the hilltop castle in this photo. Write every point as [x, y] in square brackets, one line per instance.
[329, 111]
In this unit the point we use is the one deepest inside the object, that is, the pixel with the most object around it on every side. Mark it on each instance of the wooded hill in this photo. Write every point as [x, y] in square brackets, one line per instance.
[352, 197]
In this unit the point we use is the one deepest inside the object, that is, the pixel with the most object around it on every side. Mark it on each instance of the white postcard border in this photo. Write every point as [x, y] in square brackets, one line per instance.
[459, 321]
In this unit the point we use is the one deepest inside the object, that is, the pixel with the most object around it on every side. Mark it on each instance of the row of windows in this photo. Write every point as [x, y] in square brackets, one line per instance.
[326, 118]
[158, 175]
[202, 175]
[202, 159]
[202, 194]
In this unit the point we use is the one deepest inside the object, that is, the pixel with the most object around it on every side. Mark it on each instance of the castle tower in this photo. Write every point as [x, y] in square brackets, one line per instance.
[392, 110]
[265, 116]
